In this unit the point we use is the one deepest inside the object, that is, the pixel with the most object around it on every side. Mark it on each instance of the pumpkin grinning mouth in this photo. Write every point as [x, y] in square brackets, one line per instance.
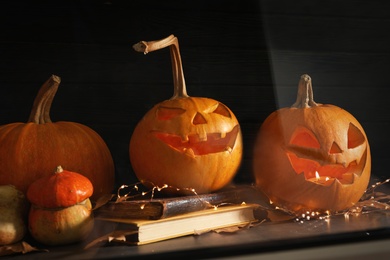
[313, 170]
[201, 145]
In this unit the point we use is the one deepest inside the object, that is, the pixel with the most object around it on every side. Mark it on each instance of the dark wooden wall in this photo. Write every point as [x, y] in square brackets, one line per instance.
[247, 54]
[109, 87]
[345, 47]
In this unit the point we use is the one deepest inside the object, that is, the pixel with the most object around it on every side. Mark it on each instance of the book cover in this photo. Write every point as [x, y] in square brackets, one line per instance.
[156, 208]
[142, 231]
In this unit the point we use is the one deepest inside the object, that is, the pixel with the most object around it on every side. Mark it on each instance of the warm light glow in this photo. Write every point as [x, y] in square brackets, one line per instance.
[371, 200]
[319, 179]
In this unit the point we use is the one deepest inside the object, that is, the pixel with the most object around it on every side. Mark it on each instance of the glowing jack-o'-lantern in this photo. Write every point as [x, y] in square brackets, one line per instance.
[312, 156]
[189, 143]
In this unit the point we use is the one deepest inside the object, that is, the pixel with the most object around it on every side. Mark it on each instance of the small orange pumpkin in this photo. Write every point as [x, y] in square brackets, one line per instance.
[60, 212]
[312, 156]
[185, 142]
[29, 151]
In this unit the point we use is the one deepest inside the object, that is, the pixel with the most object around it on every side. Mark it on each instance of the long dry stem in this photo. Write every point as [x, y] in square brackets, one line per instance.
[172, 42]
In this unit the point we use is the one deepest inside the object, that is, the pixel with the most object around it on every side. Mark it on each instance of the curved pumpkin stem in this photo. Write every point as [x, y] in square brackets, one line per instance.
[40, 112]
[305, 93]
[180, 90]
[59, 169]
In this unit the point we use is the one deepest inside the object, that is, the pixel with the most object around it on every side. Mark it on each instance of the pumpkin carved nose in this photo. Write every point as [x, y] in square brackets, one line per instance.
[199, 119]
[335, 149]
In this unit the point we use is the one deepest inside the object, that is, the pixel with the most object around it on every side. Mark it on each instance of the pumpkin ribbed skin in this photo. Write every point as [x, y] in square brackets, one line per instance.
[295, 142]
[29, 151]
[61, 189]
[61, 226]
[61, 211]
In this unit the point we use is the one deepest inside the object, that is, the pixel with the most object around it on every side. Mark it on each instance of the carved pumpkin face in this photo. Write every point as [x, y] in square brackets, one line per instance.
[322, 156]
[312, 158]
[187, 143]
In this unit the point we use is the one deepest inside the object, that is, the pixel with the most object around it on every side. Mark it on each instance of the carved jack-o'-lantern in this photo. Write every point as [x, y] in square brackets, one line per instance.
[312, 156]
[185, 142]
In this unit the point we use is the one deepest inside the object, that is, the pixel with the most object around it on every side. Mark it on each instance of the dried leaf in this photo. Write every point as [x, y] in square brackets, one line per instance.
[200, 232]
[18, 248]
[117, 235]
[117, 238]
[103, 200]
[237, 228]
[232, 229]
[279, 215]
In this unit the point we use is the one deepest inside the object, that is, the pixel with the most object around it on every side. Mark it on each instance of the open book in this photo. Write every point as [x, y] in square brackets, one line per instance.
[144, 231]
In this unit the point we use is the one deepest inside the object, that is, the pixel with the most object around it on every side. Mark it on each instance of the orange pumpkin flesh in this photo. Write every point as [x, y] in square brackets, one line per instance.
[312, 156]
[31, 150]
[60, 212]
[189, 143]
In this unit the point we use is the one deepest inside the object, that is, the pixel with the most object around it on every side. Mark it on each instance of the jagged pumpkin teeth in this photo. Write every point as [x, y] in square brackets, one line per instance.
[202, 137]
[189, 152]
[184, 138]
[347, 178]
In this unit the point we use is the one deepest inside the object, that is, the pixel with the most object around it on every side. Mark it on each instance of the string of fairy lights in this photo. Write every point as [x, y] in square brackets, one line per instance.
[370, 201]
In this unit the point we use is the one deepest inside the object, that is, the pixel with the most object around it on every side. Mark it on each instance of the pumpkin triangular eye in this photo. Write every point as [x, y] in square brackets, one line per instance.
[167, 113]
[305, 138]
[335, 148]
[222, 110]
[355, 136]
[199, 119]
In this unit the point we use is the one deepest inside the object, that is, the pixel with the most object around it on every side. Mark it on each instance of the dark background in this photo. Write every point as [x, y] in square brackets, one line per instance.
[247, 54]
[345, 47]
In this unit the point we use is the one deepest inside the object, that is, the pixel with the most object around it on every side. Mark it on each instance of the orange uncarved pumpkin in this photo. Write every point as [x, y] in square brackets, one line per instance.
[312, 156]
[189, 143]
[60, 212]
[31, 150]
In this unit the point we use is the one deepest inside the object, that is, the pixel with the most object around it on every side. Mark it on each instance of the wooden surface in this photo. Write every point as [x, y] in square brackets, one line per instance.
[292, 239]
